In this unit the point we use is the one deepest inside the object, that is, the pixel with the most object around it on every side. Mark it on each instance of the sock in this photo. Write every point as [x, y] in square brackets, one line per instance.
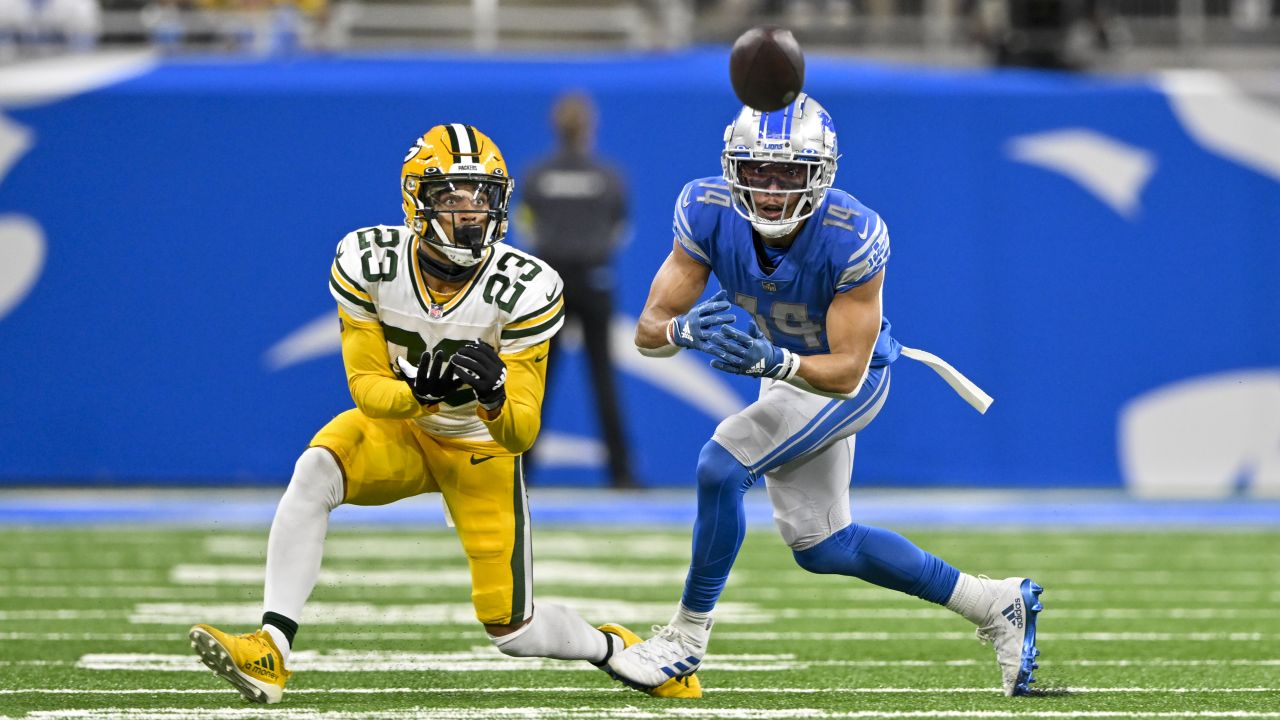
[970, 599]
[694, 625]
[613, 644]
[884, 558]
[282, 640]
[296, 543]
[555, 632]
[719, 528]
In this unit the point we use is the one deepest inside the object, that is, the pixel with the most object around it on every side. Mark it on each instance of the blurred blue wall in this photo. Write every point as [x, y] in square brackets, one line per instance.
[1064, 241]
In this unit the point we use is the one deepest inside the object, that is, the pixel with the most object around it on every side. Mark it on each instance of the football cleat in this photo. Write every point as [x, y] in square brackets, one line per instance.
[686, 686]
[1010, 628]
[250, 662]
[666, 657]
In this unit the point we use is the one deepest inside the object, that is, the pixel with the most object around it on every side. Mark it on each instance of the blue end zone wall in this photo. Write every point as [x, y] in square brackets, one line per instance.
[189, 215]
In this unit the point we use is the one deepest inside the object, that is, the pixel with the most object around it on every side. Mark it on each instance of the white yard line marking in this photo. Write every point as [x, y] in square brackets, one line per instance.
[26, 615]
[324, 663]
[346, 613]
[602, 713]
[487, 658]
[715, 691]
[321, 635]
[932, 613]
[992, 691]
[882, 599]
[462, 613]
[127, 592]
[1055, 636]
[587, 544]
[547, 573]
[591, 544]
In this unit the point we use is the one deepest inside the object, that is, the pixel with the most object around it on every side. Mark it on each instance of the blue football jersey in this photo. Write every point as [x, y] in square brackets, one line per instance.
[843, 245]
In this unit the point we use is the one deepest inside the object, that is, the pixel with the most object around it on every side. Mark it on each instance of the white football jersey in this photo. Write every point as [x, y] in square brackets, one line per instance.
[513, 302]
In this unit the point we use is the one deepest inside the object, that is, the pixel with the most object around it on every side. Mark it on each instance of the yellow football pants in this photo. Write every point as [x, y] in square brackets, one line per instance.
[385, 460]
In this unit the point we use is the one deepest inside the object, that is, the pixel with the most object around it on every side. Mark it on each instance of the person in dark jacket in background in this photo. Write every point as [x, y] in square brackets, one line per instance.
[574, 214]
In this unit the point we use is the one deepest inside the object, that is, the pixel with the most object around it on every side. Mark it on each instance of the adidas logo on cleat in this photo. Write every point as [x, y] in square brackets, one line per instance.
[263, 665]
[1013, 614]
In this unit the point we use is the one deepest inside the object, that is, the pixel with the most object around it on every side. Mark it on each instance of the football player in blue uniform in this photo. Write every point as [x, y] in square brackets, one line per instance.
[805, 261]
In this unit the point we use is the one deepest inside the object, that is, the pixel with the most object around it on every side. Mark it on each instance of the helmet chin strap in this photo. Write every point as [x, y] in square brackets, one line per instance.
[469, 238]
[443, 269]
[775, 230]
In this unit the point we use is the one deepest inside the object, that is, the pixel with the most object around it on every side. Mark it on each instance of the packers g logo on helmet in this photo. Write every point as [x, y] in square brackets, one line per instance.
[452, 161]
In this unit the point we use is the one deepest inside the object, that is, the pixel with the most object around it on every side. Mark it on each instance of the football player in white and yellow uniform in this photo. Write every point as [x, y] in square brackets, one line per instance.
[445, 332]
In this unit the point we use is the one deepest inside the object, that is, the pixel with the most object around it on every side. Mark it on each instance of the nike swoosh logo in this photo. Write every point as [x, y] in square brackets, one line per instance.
[540, 359]
[552, 295]
[870, 224]
[339, 253]
[483, 458]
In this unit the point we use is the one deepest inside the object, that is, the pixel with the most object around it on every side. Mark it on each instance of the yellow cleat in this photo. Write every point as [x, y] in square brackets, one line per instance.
[251, 662]
[686, 687]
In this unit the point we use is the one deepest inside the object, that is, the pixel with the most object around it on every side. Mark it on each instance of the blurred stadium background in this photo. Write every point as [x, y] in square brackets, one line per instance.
[1098, 248]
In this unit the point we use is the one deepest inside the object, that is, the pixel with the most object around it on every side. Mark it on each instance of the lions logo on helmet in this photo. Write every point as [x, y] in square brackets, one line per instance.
[455, 172]
[787, 154]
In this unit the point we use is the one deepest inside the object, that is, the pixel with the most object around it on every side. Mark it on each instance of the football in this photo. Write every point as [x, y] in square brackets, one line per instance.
[766, 68]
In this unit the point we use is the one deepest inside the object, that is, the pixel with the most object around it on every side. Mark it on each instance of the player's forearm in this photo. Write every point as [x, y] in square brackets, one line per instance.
[383, 397]
[833, 375]
[651, 329]
[515, 424]
[377, 392]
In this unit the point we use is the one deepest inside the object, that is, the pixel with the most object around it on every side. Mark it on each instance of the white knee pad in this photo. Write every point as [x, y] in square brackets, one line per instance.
[317, 477]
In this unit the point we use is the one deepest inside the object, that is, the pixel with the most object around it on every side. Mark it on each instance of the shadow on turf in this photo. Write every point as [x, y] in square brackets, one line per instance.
[1049, 692]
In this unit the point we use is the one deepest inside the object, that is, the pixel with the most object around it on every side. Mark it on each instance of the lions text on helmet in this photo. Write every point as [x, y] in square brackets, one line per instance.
[455, 190]
[780, 164]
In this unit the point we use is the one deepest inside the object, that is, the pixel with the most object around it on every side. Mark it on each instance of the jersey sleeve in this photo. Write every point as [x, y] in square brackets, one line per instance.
[374, 387]
[870, 254]
[696, 217]
[352, 294]
[538, 311]
[515, 425]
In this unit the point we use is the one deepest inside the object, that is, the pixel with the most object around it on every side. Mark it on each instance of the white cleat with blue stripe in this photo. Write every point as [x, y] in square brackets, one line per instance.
[667, 655]
[1010, 628]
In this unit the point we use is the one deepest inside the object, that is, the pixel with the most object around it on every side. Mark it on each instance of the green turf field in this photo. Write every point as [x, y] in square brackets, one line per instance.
[1144, 624]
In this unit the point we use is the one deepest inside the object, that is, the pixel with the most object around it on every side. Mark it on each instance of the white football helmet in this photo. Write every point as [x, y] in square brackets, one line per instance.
[787, 153]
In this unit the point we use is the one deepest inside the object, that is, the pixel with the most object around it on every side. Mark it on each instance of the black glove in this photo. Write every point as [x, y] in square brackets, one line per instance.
[479, 366]
[435, 380]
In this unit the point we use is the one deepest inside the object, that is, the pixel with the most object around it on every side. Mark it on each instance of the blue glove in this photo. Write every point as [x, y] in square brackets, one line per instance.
[751, 353]
[695, 328]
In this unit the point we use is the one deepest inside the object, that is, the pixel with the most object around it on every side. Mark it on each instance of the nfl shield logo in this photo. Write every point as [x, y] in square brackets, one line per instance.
[768, 286]
[436, 311]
